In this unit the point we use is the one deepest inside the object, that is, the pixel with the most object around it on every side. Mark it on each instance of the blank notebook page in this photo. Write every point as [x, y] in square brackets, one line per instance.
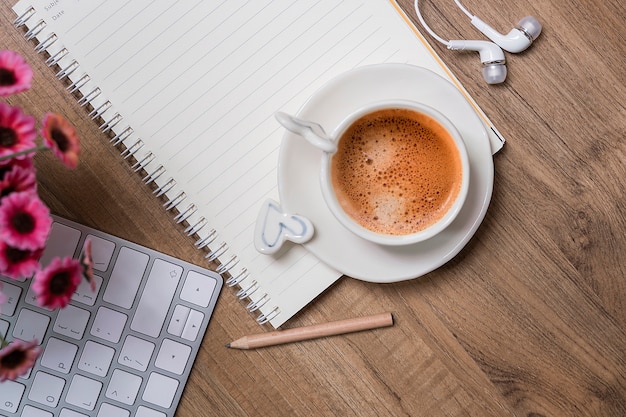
[199, 83]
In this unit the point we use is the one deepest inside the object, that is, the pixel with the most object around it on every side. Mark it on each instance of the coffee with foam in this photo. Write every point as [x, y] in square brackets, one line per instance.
[396, 171]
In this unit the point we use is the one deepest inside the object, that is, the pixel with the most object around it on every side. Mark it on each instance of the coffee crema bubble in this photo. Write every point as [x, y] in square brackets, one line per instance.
[396, 171]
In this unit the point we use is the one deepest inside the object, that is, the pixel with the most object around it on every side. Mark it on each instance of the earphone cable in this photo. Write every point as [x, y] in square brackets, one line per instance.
[428, 29]
[458, 3]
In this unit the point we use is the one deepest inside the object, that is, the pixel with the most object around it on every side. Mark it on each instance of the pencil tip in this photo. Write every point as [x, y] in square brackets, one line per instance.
[227, 345]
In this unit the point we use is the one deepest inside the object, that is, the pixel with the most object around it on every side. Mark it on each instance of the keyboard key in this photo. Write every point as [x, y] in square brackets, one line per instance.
[126, 277]
[83, 392]
[173, 356]
[136, 353]
[63, 241]
[156, 298]
[26, 375]
[101, 252]
[10, 395]
[30, 326]
[108, 410]
[12, 294]
[4, 328]
[84, 294]
[198, 289]
[30, 411]
[59, 355]
[148, 412]
[71, 322]
[108, 324]
[96, 358]
[192, 326]
[46, 389]
[123, 387]
[179, 318]
[66, 412]
[160, 390]
[31, 298]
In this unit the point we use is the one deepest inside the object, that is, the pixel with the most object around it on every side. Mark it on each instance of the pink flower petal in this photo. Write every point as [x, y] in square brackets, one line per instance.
[17, 132]
[15, 74]
[18, 263]
[55, 284]
[18, 179]
[17, 358]
[25, 221]
[60, 136]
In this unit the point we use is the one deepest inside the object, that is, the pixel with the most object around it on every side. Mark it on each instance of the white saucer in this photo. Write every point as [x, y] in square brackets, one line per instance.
[299, 168]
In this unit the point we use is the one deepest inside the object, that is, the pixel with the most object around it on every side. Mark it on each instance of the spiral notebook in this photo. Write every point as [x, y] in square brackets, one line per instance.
[187, 91]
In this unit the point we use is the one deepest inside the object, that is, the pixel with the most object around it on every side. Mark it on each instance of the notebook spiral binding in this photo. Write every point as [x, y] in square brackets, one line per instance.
[103, 111]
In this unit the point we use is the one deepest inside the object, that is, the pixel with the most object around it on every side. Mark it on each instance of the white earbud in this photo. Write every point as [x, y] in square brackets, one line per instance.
[517, 40]
[492, 57]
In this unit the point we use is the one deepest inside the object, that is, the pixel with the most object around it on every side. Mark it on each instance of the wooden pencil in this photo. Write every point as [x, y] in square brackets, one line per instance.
[310, 332]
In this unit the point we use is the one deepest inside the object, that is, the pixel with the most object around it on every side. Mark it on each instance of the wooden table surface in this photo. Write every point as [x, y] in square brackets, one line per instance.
[528, 320]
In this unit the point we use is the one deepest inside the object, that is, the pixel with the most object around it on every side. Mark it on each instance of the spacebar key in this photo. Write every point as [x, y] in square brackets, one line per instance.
[156, 298]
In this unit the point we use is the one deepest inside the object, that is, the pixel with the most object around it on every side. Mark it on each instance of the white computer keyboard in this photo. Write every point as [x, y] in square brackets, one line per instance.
[124, 350]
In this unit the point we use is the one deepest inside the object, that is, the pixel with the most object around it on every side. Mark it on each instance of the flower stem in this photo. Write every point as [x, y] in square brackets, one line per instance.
[24, 152]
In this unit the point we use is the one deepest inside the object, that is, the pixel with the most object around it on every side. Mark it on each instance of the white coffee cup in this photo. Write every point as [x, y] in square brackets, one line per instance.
[316, 135]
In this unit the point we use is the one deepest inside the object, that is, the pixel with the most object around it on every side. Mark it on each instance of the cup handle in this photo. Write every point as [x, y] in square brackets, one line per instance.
[273, 228]
[311, 131]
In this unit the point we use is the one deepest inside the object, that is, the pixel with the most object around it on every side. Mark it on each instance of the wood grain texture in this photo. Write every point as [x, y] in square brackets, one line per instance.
[528, 320]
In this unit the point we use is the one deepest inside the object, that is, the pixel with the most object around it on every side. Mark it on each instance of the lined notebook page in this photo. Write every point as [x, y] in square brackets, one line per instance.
[199, 81]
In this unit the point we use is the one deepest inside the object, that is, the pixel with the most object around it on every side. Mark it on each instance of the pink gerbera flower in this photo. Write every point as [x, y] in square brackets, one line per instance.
[86, 261]
[15, 74]
[17, 132]
[25, 221]
[18, 179]
[26, 163]
[18, 263]
[17, 358]
[55, 284]
[60, 136]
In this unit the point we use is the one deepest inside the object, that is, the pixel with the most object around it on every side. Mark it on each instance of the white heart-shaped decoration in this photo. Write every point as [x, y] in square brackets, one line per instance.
[273, 228]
